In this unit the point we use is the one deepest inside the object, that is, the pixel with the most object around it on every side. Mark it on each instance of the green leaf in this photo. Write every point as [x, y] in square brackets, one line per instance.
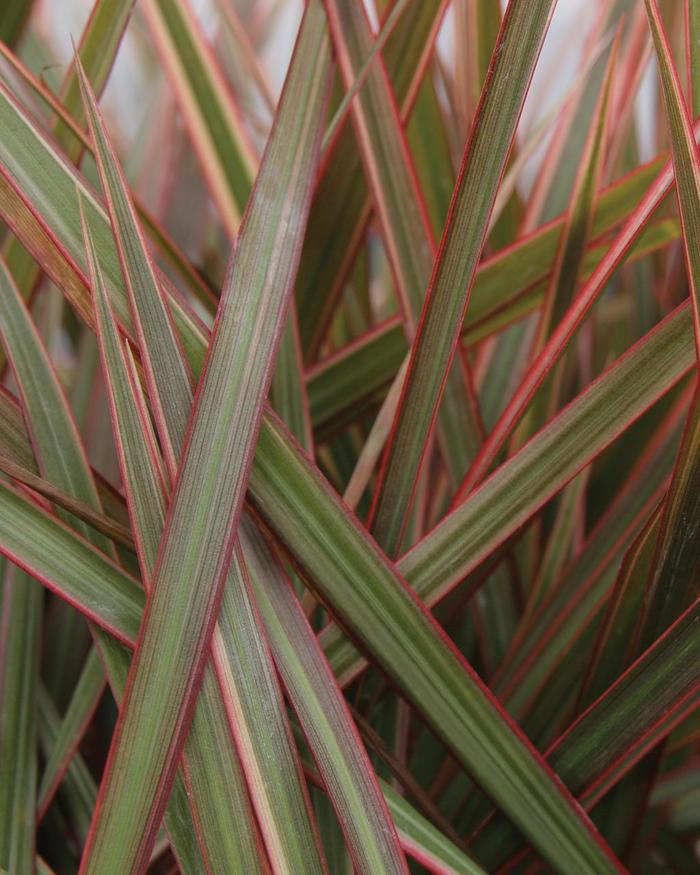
[519, 43]
[340, 205]
[143, 290]
[22, 602]
[208, 495]
[79, 789]
[426, 695]
[419, 836]
[288, 394]
[98, 521]
[219, 798]
[664, 356]
[24, 151]
[673, 580]
[282, 511]
[62, 460]
[323, 715]
[479, 24]
[364, 593]
[212, 761]
[664, 676]
[568, 265]
[37, 380]
[104, 592]
[229, 165]
[623, 724]
[354, 87]
[13, 434]
[98, 48]
[481, 664]
[227, 157]
[61, 567]
[424, 842]
[81, 708]
[107, 583]
[617, 641]
[160, 237]
[523, 483]
[13, 19]
[670, 679]
[566, 328]
[386, 159]
[575, 125]
[263, 736]
[506, 288]
[57, 445]
[559, 544]
[693, 35]
[269, 761]
[544, 640]
[404, 220]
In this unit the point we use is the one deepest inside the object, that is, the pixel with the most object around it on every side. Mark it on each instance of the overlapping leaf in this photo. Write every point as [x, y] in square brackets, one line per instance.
[208, 494]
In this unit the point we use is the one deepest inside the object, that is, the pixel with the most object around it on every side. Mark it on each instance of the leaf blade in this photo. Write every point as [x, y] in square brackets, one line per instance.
[231, 701]
[447, 298]
[19, 677]
[323, 714]
[672, 584]
[212, 477]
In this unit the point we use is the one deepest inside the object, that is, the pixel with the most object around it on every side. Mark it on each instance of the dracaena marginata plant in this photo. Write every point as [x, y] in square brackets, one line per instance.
[349, 437]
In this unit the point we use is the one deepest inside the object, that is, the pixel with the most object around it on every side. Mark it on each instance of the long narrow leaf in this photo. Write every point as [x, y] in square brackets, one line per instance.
[278, 507]
[98, 521]
[229, 164]
[79, 787]
[61, 457]
[211, 760]
[228, 158]
[19, 677]
[522, 33]
[344, 382]
[384, 615]
[569, 323]
[112, 599]
[98, 48]
[570, 257]
[102, 590]
[209, 491]
[322, 711]
[622, 725]
[85, 699]
[341, 206]
[692, 9]
[673, 582]
[24, 149]
[210, 765]
[55, 568]
[671, 678]
[399, 203]
[281, 810]
[313, 556]
[428, 576]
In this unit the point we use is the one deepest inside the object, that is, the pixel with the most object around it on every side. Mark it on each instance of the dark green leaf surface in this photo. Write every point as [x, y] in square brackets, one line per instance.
[22, 602]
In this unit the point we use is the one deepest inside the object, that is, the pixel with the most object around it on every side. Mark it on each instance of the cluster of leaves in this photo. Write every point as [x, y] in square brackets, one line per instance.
[349, 499]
